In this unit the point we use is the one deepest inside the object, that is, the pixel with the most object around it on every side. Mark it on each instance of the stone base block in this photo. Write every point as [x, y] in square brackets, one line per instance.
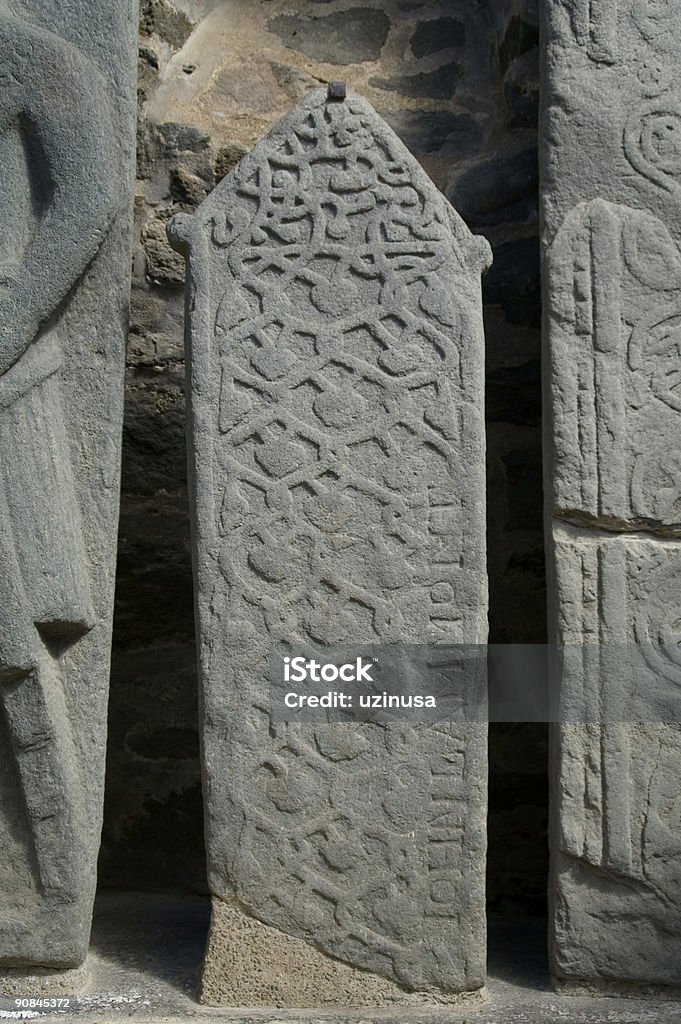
[250, 964]
[42, 982]
[617, 990]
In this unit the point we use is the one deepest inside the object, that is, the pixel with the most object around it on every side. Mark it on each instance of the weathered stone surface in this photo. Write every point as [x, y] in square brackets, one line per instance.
[437, 34]
[66, 146]
[436, 132]
[610, 164]
[336, 350]
[617, 842]
[439, 84]
[344, 37]
[501, 189]
[616, 339]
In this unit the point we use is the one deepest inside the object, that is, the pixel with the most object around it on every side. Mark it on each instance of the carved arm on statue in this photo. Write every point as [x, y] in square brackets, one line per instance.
[59, 102]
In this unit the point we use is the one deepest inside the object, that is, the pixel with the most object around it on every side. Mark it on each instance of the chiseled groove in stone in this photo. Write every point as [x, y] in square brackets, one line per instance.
[612, 525]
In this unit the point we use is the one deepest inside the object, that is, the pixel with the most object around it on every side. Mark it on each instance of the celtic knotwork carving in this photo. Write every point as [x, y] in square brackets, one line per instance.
[337, 353]
[340, 427]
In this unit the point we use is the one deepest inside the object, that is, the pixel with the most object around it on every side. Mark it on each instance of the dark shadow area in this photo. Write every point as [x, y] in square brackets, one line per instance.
[499, 199]
[151, 947]
[517, 852]
[153, 815]
[516, 951]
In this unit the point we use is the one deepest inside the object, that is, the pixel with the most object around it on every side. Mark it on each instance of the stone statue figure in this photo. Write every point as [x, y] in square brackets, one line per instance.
[58, 198]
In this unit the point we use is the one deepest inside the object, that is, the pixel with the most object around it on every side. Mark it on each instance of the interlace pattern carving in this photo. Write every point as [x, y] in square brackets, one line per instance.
[337, 408]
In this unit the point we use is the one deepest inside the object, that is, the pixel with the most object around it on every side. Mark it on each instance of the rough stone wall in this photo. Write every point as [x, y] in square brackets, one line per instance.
[457, 80]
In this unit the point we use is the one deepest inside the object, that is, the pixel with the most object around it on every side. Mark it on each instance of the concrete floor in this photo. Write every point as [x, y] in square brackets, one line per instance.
[146, 957]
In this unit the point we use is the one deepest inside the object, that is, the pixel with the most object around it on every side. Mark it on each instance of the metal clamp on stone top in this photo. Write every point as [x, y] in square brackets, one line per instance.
[337, 92]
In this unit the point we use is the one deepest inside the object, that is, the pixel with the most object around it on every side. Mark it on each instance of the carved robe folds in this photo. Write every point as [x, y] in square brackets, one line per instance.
[66, 161]
[611, 194]
[336, 347]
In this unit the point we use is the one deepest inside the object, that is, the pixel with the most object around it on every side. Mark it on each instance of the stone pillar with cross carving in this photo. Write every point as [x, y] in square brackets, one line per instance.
[67, 117]
[334, 333]
[611, 198]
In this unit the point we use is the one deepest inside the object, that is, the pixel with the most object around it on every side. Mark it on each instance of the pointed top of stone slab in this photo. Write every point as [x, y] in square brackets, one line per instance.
[371, 161]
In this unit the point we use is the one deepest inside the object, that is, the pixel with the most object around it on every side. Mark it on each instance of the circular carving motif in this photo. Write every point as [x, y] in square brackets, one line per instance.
[656, 486]
[652, 144]
[653, 74]
[657, 618]
[656, 350]
[661, 141]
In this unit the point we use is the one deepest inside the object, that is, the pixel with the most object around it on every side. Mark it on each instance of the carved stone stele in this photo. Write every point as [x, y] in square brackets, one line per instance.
[611, 197]
[67, 88]
[335, 341]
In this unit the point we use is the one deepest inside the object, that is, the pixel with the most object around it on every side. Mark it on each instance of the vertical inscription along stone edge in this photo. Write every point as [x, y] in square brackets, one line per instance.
[611, 179]
[67, 122]
[336, 366]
